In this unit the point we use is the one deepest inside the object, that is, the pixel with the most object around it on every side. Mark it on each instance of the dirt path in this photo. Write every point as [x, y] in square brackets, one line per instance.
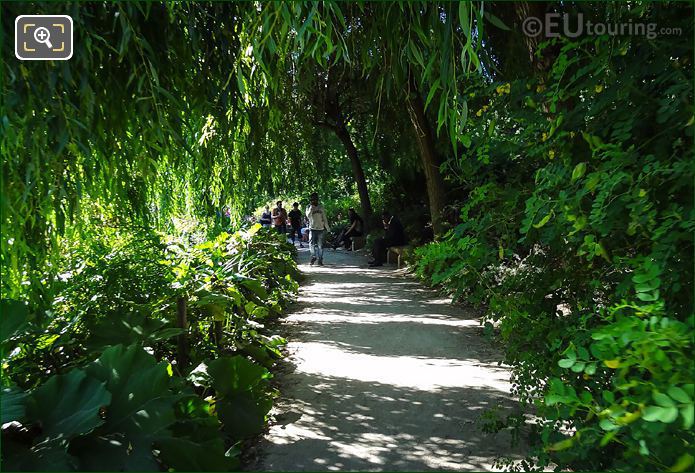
[382, 376]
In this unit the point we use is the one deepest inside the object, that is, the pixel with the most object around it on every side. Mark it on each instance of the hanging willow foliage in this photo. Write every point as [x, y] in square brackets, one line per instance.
[169, 109]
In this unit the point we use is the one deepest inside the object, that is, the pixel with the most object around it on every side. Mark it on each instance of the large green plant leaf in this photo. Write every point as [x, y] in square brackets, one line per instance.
[114, 452]
[235, 374]
[100, 452]
[68, 405]
[255, 286]
[133, 377]
[13, 316]
[12, 404]
[242, 398]
[186, 455]
[243, 414]
[142, 409]
[127, 330]
[49, 455]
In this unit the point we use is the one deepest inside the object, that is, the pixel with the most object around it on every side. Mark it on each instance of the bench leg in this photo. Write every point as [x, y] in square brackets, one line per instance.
[399, 261]
[388, 256]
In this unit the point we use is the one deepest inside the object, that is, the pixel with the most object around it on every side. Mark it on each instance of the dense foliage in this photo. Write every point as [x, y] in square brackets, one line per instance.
[99, 382]
[576, 239]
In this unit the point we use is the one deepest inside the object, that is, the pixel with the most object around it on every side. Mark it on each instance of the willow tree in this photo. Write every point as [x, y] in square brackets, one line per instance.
[422, 58]
[120, 129]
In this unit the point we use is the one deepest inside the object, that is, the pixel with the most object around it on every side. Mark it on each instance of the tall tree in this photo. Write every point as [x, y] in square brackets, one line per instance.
[430, 160]
[334, 103]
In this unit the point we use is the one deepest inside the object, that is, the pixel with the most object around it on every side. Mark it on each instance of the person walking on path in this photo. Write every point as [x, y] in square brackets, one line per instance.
[280, 218]
[295, 216]
[318, 226]
[395, 236]
[266, 217]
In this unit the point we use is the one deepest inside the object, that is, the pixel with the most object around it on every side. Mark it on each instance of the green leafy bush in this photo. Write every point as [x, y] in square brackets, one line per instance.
[103, 390]
[576, 240]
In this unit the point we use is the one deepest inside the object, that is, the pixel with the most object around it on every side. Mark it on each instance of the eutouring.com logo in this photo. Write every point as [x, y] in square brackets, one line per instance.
[554, 25]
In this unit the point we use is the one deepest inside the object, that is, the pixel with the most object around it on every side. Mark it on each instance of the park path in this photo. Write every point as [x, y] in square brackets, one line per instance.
[383, 375]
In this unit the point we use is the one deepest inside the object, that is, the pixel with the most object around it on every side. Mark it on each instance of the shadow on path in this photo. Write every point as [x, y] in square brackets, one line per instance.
[383, 375]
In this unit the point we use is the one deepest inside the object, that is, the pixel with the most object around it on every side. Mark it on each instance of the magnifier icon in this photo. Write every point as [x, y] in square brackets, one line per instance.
[42, 35]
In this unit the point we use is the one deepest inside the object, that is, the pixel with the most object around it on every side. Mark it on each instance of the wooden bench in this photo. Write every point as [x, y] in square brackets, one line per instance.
[398, 251]
[358, 242]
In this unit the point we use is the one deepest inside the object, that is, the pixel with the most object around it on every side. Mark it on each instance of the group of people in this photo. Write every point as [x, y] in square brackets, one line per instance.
[279, 218]
[314, 224]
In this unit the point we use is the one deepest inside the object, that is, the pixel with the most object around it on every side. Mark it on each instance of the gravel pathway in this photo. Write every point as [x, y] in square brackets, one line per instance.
[383, 375]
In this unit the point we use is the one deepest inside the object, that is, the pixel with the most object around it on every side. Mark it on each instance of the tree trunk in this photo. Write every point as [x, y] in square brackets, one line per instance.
[430, 158]
[538, 10]
[181, 322]
[342, 133]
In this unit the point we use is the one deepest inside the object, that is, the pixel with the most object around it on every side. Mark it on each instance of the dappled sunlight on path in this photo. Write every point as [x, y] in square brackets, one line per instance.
[383, 375]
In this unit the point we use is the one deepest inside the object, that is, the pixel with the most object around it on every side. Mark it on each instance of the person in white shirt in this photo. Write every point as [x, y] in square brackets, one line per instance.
[318, 226]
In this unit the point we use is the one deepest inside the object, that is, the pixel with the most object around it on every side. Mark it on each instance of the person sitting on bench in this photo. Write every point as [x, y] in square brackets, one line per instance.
[355, 229]
[395, 236]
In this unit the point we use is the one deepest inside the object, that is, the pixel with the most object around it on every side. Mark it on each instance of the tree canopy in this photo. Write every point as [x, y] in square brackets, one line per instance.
[556, 174]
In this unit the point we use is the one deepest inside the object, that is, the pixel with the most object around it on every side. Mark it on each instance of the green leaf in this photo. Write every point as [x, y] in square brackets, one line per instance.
[678, 394]
[242, 400]
[68, 405]
[496, 21]
[132, 376]
[256, 287]
[652, 413]
[14, 315]
[433, 90]
[258, 353]
[608, 425]
[12, 404]
[583, 353]
[661, 414]
[543, 221]
[608, 437]
[142, 408]
[243, 414]
[687, 413]
[235, 374]
[578, 171]
[565, 363]
[466, 141]
[648, 286]
[464, 20]
[648, 296]
[167, 333]
[552, 399]
[561, 445]
[662, 399]
[684, 462]
[417, 54]
[643, 448]
[49, 455]
[101, 452]
[464, 118]
[608, 396]
[186, 455]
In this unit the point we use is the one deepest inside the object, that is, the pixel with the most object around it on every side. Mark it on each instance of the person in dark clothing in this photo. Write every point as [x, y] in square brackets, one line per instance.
[279, 217]
[295, 216]
[355, 229]
[266, 217]
[395, 236]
